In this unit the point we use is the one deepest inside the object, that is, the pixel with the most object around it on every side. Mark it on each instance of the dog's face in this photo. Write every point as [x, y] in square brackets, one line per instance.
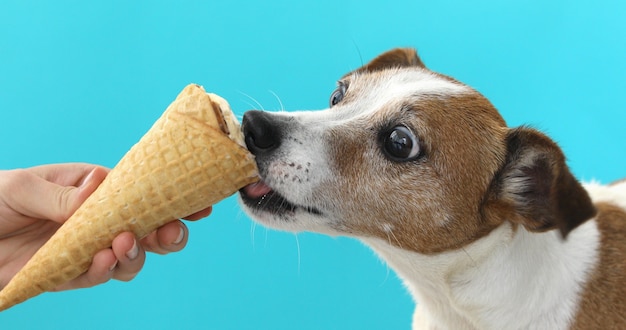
[406, 155]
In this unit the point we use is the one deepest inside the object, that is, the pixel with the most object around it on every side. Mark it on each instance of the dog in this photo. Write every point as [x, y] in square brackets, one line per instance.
[485, 224]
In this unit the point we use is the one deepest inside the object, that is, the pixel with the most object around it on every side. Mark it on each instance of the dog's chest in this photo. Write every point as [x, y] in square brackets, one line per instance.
[505, 280]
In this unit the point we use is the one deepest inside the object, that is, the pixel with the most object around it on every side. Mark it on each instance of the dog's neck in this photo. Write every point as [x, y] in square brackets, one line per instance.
[507, 278]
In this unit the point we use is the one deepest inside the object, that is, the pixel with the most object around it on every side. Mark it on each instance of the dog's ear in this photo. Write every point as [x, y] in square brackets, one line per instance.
[537, 185]
[399, 57]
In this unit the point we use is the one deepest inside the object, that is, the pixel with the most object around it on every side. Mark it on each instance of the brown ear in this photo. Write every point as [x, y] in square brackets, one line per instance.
[537, 184]
[395, 58]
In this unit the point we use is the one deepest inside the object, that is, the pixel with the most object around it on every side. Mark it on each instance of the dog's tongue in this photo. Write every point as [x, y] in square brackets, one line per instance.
[257, 189]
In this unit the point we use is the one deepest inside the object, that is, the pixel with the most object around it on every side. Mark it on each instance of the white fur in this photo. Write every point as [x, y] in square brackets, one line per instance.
[615, 194]
[403, 85]
[505, 280]
[509, 279]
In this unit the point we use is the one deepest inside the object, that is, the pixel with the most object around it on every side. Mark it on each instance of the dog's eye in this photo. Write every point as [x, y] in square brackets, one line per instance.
[337, 95]
[400, 144]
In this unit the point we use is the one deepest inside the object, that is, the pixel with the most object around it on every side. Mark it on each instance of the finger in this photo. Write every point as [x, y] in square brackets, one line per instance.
[130, 255]
[171, 237]
[100, 271]
[36, 197]
[66, 174]
[200, 214]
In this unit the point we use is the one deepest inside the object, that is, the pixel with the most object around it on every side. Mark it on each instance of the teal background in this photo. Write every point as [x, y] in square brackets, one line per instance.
[83, 80]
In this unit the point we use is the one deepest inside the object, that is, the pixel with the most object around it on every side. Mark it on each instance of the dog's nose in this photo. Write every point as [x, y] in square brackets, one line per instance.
[261, 134]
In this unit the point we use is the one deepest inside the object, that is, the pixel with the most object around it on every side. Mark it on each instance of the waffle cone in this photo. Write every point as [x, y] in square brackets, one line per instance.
[185, 163]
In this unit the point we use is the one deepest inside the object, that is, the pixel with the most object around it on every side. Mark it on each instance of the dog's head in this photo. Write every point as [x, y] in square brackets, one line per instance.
[409, 156]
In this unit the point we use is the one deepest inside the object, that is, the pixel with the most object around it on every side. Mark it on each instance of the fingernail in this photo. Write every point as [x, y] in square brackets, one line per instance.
[181, 235]
[87, 179]
[133, 252]
[113, 266]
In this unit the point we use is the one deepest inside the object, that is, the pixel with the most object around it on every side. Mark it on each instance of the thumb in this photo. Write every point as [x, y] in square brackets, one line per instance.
[42, 199]
[65, 200]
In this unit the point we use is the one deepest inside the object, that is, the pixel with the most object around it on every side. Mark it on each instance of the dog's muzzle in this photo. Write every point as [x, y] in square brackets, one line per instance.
[263, 133]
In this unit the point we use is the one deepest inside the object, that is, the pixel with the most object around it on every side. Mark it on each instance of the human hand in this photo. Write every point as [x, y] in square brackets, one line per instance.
[35, 202]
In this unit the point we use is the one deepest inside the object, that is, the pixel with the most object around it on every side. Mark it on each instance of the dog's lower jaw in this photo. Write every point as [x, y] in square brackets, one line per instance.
[275, 211]
[509, 279]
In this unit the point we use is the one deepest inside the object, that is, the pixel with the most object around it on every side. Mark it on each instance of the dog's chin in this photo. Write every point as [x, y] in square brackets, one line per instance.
[264, 202]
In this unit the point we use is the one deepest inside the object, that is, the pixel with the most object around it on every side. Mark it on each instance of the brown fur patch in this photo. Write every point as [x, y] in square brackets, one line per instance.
[396, 58]
[537, 184]
[446, 199]
[615, 183]
[432, 204]
[603, 304]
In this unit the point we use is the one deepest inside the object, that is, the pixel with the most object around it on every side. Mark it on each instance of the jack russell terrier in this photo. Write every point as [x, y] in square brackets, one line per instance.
[484, 223]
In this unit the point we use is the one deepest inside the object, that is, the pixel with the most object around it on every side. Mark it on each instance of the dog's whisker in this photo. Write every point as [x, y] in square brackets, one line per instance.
[358, 50]
[389, 239]
[387, 272]
[469, 256]
[445, 226]
[394, 237]
[298, 248]
[282, 107]
[250, 105]
[260, 107]
[252, 233]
